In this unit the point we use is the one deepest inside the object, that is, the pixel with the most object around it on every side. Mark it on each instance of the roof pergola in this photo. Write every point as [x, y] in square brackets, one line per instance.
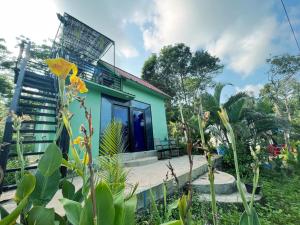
[82, 40]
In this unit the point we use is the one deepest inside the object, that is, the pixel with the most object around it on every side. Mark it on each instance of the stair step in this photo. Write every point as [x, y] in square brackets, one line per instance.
[40, 122]
[224, 183]
[39, 80]
[26, 112]
[34, 142]
[33, 131]
[34, 106]
[229, 198]
[11, 155]
[41, 100]
[43, 94]
[39, 87]
[18, 169]
[140, 162]
[37, 76]
[39, 83]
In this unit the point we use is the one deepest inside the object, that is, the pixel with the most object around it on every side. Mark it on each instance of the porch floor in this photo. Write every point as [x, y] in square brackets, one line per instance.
[148, 177]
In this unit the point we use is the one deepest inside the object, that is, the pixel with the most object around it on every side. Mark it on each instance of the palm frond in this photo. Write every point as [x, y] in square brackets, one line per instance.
[111, 170]
[235, 110]
[234, 98]
[218, 90]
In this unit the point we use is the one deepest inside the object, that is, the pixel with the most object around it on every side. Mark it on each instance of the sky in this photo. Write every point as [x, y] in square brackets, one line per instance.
[242, 33]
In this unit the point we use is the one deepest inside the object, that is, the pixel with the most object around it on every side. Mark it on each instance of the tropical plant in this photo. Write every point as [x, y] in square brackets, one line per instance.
[249, 217]
[158, 218]
[202, 120]
[91, 204]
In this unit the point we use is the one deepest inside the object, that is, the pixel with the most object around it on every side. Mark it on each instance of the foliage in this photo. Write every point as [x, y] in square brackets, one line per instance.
[244, 159]
[111, 170]
[249, 216]
[181, 74]
[6, 61]
[279, 205]
[101, 203]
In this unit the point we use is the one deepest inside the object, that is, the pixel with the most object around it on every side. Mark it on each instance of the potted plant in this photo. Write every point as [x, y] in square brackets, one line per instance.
[249, 188]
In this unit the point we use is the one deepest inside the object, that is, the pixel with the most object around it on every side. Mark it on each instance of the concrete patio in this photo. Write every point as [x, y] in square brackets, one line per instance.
[148, 177]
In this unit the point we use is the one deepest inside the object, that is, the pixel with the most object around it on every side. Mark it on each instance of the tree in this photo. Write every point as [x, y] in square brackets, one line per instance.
[6, 65]
[6, 61]
[180, 73]
[282, 76]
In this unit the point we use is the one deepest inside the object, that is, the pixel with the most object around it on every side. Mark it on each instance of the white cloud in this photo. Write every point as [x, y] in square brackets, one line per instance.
[251, 89]
[37, 20]
[34, 19]
[241, 33]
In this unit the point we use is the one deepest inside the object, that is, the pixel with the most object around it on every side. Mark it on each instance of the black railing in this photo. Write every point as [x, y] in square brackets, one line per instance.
[96, 73]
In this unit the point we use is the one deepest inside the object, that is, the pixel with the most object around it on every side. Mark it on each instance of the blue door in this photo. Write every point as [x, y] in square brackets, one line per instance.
[139, 131]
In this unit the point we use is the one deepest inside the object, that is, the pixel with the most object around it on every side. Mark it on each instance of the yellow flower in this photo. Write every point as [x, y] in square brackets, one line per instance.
[78, 140]
[81, 86]
[78, 83]
[74, 79]
[61, 67]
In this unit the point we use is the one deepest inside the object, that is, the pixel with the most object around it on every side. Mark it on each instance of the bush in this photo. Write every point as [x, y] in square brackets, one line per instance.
[244, 158]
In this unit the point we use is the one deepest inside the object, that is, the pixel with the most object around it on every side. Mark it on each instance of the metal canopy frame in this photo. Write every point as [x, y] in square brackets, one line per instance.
[76, 37]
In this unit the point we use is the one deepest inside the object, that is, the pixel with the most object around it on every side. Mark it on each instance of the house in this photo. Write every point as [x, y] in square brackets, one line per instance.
[114, 94]
[137, 104]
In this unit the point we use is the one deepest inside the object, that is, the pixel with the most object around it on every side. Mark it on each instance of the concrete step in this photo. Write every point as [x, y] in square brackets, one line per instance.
[140, 161]
[128, 156]
[229, 198]
[224, 183]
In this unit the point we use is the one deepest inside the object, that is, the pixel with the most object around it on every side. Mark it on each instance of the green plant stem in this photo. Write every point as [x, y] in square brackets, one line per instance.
[20, 153]
[211, 176]
[255, 183]
[236, 165]
[62, 103]
[58, 131]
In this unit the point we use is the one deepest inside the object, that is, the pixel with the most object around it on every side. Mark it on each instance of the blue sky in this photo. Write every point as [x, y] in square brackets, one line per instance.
[241, 33]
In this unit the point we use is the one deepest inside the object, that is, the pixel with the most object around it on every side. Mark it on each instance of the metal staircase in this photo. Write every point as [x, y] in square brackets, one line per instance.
[36, 95]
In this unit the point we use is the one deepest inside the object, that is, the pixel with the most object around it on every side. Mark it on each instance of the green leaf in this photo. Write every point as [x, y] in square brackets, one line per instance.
[182, 204]
[86, 216]
[119, 209]
[244, 220]
[45, 188]
[72, 209]
[3, 212]
[105, 205]
[50, 161]
[174, 222]
[78, 196]
[41, 216]
[68, 189]
[12, 217]
[129, 211]
[25, 187]
[153, 209]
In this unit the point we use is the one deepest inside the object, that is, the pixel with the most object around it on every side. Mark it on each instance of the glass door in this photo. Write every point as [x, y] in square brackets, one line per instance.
[120, 114]
[139, 131]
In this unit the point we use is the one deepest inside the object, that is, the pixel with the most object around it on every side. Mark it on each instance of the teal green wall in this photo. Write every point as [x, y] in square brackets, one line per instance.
[157, 103]
[93, 100]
